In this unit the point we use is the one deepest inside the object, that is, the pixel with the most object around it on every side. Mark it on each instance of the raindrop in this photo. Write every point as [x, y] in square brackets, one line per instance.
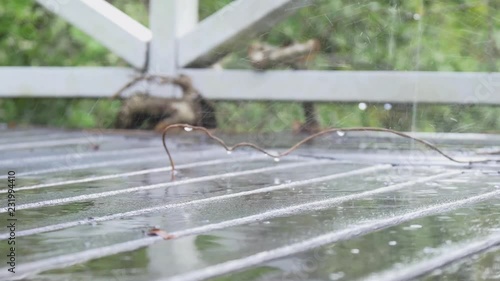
[355, 251]
[337, 275]
[437, 272]
[445, 218]
[387, 106]
[329, 252]
[341, 133]
[276, 159]
[412, 227]
[188, 129]
[416, 16]
[266, 222]
[393, 243]
[277, 181]
[429, 250]
[362, 106]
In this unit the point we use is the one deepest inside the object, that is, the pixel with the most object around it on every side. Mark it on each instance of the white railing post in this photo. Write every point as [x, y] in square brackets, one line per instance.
[168, 19]
[187, 16]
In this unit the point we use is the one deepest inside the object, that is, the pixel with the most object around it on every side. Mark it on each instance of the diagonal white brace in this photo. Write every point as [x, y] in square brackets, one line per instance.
[120, 33]
[237, 22]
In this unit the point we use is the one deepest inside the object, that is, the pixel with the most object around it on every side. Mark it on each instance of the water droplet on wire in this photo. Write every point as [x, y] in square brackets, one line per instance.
[188, 129]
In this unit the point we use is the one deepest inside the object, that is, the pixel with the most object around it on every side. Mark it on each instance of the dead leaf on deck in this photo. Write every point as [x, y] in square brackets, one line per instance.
[161, 233]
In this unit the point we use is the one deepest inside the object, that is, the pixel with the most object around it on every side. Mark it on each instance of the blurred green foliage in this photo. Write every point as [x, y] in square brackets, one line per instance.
[462, 35]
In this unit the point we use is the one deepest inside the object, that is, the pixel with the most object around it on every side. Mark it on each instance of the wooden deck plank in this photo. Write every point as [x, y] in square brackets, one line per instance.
[276, 212]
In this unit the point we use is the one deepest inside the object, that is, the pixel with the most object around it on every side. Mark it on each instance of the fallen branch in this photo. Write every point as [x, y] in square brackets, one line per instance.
[264, 56]
[152, 112]
[159, 232]
[188, 127]
[296, 55]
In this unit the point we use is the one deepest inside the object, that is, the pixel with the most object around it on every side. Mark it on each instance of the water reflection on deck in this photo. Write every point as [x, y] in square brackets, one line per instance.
[360, 206]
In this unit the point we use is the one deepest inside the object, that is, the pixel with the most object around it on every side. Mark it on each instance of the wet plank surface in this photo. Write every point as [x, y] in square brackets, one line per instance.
[360, 206]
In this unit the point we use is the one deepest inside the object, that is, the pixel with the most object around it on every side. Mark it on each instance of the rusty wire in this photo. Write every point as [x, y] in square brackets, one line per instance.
[298, 144]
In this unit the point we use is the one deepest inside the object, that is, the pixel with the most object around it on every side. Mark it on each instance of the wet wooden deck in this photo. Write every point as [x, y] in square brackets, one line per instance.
[358, 207]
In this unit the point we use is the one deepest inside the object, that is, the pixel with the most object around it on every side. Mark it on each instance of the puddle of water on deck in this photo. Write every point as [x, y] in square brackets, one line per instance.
[346, 260]
[412, 239]
[480, 267]
[173, 194]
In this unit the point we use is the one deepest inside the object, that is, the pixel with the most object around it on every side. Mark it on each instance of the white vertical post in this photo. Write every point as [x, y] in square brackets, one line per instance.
[162, 51]
[187, 16]
[168, 19]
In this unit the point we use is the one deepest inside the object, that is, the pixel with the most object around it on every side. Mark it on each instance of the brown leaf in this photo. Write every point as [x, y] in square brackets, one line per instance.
[161, 233]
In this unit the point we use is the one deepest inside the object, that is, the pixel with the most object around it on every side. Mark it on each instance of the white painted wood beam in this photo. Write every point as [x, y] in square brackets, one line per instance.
[168, 20]
[108, 25]
[230, 28]
[59, 82]
[187, 16]
[162, 59]
[349, 86]
[322, 86]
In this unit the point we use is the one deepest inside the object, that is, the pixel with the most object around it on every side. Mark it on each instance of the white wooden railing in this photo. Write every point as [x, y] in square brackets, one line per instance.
[176, 42]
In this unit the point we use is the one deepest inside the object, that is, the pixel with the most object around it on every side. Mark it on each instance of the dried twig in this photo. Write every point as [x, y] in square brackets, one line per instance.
[297, 145]
[159, 79]
[126, 86]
